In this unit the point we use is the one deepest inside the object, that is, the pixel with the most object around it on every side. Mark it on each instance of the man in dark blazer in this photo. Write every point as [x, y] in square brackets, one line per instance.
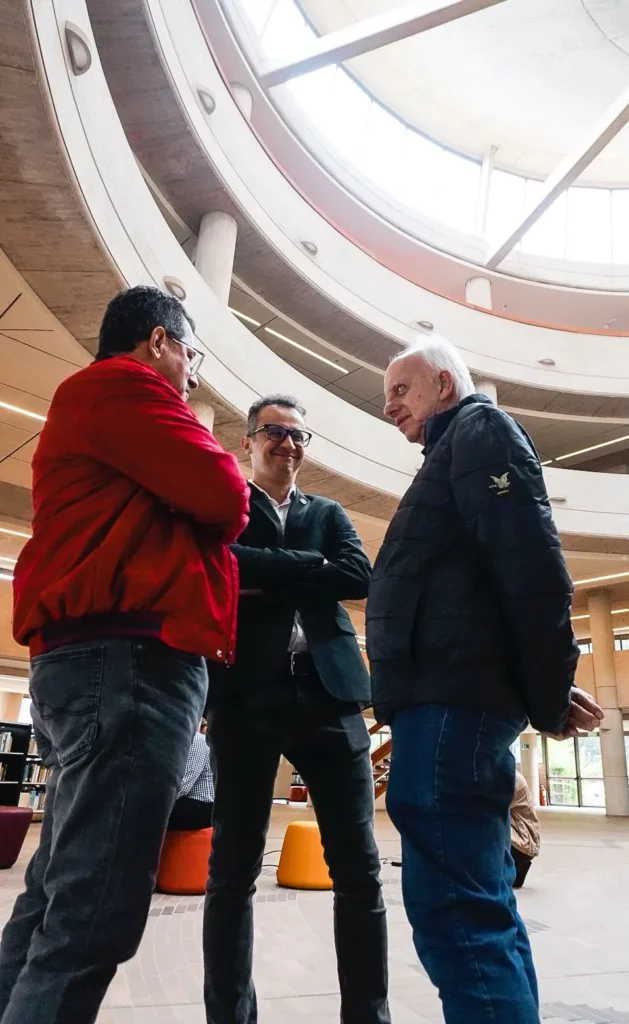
[297, 688]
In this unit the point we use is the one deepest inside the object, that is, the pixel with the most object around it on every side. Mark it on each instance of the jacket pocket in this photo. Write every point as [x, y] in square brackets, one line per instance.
[65, 689]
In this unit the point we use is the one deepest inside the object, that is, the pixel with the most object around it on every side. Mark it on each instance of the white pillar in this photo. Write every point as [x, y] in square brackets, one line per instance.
[478, 292]
[203, 411]
[487, 388]
[611, 730]
[216, 247]
[529, 763]
[243, 98]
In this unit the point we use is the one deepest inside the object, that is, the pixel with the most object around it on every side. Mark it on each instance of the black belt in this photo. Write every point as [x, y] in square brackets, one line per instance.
[300, 663]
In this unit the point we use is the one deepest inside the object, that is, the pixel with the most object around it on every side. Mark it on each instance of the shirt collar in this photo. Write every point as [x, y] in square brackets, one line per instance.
[275, 504]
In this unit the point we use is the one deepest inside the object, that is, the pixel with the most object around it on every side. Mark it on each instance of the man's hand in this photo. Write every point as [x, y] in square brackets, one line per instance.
[585, 714]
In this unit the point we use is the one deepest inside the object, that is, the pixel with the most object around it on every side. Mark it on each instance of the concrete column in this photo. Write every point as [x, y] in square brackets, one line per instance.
[10, 704]
[485, 387]
[529, 763]
[611, 730]
[216, 247]
[478, 292]
[243, 98]
[203, 411]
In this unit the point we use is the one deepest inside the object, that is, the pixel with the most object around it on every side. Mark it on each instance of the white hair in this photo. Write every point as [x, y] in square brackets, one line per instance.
[439, 354]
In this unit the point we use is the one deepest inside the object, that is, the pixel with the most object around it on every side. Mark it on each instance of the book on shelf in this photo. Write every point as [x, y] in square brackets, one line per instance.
[6, 741]
[33, 798]
[32, 747]
[35, 773]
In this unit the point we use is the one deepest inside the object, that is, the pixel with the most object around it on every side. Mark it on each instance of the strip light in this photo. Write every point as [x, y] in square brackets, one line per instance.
[615, 611]
[5, 575]
[592, 448]
[243, 316]
[602, 579]
[302, 348]
[15, 533]
[23, 412]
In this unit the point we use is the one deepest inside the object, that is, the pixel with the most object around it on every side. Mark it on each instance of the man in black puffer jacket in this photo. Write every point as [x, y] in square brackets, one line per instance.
[468, 635]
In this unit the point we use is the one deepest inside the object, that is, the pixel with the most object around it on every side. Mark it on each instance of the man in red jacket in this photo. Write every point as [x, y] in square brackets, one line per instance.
[126, 586]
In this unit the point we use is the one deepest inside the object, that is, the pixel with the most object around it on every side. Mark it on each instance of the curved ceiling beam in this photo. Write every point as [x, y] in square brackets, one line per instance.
[371, 34]
[567, 171]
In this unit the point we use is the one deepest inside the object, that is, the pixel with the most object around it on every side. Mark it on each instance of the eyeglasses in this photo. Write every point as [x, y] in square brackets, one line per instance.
[196, 360]
[273, 432]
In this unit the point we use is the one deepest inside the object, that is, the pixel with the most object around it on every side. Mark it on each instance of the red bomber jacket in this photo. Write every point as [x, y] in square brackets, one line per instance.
[135, 504]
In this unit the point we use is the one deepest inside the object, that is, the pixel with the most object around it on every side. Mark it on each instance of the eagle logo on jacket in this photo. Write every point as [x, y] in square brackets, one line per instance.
[500, 484]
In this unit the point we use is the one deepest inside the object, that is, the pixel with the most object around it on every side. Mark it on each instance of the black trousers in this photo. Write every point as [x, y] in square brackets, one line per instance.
[328, 743]
[522, 867]
[188, 815]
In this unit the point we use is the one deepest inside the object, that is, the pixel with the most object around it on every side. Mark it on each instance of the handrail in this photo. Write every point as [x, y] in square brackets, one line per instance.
[381, 753]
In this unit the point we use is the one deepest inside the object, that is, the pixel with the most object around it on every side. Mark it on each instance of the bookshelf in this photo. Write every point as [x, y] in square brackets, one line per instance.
[22, 774]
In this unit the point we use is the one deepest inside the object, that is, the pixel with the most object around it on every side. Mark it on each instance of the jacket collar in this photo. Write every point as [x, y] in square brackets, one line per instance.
[437, 425]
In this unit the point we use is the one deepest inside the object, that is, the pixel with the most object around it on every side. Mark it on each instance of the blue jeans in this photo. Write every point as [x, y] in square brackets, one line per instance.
[114, 721]
[451, 784]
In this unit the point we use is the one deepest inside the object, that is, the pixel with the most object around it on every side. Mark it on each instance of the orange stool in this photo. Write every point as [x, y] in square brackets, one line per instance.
[301, 863]
[183, 867]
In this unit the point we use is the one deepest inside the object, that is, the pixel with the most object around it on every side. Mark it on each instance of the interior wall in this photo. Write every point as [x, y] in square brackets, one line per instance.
[585, 676]
[8, 646]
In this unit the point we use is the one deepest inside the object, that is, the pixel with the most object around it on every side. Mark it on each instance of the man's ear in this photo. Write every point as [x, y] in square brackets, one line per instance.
[245, 444]
[157, 342]
[446, 384]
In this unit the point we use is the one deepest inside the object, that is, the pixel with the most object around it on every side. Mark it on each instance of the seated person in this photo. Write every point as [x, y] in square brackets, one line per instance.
[525, 837]
[195, 803]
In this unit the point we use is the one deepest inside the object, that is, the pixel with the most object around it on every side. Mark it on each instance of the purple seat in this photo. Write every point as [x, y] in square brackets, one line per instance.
[14, 823]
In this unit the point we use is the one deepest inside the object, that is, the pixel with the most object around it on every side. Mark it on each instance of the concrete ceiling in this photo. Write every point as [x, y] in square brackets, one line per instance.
[528, 76]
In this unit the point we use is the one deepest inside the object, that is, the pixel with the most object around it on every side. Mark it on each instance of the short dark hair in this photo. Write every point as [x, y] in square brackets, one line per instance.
[284, 401]
[133, 314]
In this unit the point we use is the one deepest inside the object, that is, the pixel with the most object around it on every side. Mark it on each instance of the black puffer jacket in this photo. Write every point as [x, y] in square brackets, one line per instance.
[470, 596]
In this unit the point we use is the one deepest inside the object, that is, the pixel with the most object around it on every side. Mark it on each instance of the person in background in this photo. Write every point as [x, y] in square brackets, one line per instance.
[125, 588]
[525, 836]
[195, 803]
[468, 636]
[296, 689]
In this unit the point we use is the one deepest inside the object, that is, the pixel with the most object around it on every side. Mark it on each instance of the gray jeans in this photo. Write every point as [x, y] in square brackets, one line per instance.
[114, 720]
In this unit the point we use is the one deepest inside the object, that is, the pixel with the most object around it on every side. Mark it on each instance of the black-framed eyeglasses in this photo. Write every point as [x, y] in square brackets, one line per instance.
[196, 360]
[274, 432]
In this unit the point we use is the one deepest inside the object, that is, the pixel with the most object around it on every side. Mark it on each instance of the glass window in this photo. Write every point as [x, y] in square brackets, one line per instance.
[382, 148]
[458, 192]
[589, 228]
[585, 648]
[286, 32]
[562, 773]
[505, 206]
[347, 118]
[316, 95]
[620, 225]
[24, 714]
[548, 236]
[257, 11]
[419, 178]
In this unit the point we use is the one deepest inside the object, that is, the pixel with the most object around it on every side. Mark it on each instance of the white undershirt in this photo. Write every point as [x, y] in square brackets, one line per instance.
[298, 640]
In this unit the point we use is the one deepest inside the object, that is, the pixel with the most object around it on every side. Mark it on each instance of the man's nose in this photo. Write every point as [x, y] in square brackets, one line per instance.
[389, 408]
[193, 382]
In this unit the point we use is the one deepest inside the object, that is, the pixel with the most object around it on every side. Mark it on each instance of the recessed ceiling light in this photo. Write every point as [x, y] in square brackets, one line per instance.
[22, 412]
[602, 579]
[302, 348]
[243, 316]
[425, 325]
[592, 448]
[78, 48]
[206, 100]
[15, 533]
[558, 499]
[546, 362]
[310, 247]
[175, 287]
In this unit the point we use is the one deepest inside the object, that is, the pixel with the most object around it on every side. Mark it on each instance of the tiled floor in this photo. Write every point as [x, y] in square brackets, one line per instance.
[576, 902]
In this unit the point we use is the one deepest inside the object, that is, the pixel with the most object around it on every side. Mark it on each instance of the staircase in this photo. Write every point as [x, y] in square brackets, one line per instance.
[380, 761]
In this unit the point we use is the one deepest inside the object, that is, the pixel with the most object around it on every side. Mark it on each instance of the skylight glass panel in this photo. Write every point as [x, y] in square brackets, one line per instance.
[286, 32]
[589, 229]
[620, 225]
[548, 236]
[505, 206]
